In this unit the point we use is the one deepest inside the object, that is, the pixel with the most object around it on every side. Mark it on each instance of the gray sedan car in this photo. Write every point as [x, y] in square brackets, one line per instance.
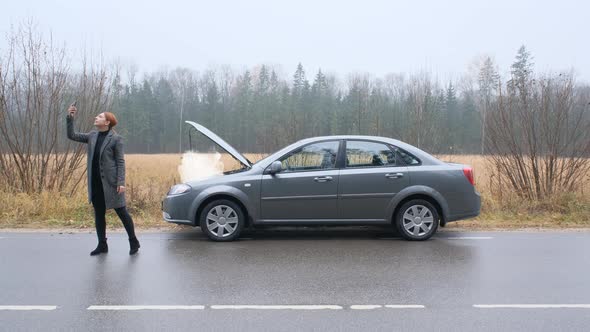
[330, 180]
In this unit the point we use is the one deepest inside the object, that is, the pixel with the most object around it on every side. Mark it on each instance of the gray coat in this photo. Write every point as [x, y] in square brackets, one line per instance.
[112, 163]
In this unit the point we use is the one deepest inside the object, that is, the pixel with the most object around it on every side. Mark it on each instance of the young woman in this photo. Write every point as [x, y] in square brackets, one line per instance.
[106, 175]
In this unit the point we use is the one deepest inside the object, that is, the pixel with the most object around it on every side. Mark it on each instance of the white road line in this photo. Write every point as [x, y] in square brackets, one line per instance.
[447, 238]
[278, 307]
[365, 306]
[146, 307]
[531, 306]
[405, 306]
[28, 307]
[390, 306]
[291, 307]
[468, 238]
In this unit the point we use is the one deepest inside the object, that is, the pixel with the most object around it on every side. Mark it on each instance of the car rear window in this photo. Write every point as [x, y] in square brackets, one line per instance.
[407, 157]
[368, 154]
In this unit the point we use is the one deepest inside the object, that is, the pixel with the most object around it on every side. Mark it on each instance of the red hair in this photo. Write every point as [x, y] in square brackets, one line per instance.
[111, 118]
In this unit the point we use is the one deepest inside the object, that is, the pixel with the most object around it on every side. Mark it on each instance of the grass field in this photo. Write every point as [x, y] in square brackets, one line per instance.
[150, 176]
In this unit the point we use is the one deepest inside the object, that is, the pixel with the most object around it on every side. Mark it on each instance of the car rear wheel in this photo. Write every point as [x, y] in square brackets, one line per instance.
[222, 220]
[417, 220]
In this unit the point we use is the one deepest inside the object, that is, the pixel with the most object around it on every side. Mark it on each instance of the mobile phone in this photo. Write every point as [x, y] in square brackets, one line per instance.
[74, 105]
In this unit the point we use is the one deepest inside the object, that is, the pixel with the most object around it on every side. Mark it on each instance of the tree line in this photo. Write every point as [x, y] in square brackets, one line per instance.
[258, 111]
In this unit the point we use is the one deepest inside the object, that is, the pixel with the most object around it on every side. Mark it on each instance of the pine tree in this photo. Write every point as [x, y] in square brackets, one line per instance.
[299, 79]
[521, 71]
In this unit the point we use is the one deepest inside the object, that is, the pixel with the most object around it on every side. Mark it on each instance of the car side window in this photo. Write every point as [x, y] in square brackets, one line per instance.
[368, 154]
[317, 156]
[407, 158]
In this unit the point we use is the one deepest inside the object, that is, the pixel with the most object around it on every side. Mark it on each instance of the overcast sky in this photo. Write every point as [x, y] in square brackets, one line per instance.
[378, 37]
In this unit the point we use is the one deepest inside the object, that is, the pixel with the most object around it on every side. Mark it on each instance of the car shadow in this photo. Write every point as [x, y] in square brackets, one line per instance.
[302, 233]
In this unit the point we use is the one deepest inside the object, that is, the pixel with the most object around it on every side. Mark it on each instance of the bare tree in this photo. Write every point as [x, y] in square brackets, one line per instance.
[423, 112]
[488, 83]
[360, 88]
[538, 132]
[35, 89]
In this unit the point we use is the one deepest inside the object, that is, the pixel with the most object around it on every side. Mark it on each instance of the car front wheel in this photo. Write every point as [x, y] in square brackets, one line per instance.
[417, 220]
[222, 220]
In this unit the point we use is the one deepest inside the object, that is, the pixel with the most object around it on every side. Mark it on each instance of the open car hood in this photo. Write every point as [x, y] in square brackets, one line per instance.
[220, 142]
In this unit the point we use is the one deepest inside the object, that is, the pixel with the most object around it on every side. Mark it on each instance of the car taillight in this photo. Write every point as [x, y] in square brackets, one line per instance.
[468, 171]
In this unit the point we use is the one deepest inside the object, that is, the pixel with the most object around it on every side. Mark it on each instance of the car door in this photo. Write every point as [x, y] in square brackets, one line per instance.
[306, 188]
[371, 177]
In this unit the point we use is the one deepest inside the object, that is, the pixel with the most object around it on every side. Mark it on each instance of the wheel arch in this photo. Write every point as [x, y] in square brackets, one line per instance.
[219, 196]
[425, 193]
[221, 192]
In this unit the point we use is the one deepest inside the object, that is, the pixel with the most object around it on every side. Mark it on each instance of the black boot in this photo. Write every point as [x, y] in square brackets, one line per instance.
[102, 247]
[133, 246]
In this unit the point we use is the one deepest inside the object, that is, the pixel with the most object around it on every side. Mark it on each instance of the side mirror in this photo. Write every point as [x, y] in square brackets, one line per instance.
[275, 167]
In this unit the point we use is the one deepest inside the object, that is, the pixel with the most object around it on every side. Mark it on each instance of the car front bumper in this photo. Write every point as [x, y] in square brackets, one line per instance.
[175, 209]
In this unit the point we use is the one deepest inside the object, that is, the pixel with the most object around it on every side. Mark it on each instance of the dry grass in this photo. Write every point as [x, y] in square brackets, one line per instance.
[150, 176]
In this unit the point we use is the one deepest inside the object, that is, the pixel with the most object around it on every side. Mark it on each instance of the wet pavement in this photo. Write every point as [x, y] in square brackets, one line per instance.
[297, 279]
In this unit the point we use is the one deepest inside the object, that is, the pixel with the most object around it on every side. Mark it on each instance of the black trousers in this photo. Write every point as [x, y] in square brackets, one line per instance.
[100, 212]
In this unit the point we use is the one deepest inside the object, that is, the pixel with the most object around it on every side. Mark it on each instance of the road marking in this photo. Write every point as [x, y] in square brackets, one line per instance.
[28, 307]
[469, 238]
[146, 307]
[446, 238]
[390, 306]
[405, 306]
[366, 306]
[278, 307]
[291, 307]
[531, 306]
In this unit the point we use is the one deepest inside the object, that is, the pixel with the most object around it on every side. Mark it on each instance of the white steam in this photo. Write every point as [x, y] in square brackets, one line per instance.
[198, 166]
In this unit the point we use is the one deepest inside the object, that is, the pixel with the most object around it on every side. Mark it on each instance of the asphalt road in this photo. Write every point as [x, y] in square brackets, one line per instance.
[342, 279]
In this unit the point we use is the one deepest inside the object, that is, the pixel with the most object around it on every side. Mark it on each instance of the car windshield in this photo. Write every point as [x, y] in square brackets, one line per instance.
[266, 158]
[263, 159]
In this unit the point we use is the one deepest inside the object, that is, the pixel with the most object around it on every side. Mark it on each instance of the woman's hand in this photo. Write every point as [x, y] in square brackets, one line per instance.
[120, 189]
[72, 110]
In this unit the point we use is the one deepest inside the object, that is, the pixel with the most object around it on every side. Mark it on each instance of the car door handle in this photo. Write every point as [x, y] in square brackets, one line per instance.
[394, 175]
[322, 178]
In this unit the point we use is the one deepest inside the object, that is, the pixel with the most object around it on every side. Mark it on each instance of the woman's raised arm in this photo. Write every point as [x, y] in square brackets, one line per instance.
[74, 136]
